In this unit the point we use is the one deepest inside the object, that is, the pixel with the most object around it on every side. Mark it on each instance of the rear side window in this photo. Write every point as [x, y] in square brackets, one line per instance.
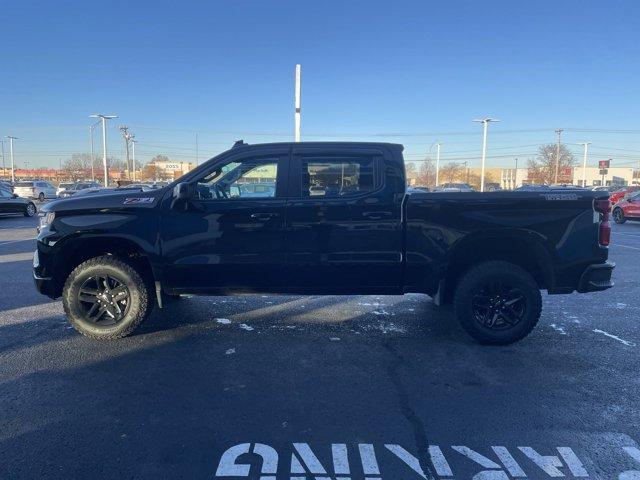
[24, 184]
[337, 176]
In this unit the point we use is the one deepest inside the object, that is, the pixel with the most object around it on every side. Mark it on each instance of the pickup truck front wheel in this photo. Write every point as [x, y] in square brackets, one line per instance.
[105, 298]
[497, 303]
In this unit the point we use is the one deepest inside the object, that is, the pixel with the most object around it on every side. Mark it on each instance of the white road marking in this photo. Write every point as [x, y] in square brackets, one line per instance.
[368, 458]
[472, 455]
[443, 469]
[615, 337]
[558, 328]
[625, 246]
[412, 462]
[627, 234]
[548, 463]
[509, 462]
[7, 242]
[573, 462]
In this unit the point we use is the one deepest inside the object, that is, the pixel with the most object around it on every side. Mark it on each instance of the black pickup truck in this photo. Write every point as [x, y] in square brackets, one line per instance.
[320, 218]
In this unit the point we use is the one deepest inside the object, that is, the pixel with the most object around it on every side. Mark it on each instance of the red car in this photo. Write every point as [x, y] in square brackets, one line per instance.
[620, 194]
[627, 209]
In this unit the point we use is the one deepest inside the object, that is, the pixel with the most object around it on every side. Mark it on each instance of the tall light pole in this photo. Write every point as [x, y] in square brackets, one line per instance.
[438, 145]
[584, 163]
[3, 166]
[133, 155]
[103, 119]
[485, 124]
[93, 159]
[127, 136]
[297, 103]
[559, 132]
[11, 139]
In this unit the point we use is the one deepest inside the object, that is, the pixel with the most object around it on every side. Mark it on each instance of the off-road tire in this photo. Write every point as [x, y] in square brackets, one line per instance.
[140, 303]
[477, 278]
[618, 216]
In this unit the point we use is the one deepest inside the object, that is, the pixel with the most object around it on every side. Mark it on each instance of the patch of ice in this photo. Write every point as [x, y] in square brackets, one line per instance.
[246, 327]
[334, 339]
[381, 311]
[231, 351]
[558, 328]
[224, 321]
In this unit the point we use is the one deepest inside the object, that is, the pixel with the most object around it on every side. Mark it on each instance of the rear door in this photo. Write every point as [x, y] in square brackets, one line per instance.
[224, 240]
[343, 220]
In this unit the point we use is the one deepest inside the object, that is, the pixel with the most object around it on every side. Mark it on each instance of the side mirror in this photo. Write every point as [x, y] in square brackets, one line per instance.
[15, 195]
[182, 192]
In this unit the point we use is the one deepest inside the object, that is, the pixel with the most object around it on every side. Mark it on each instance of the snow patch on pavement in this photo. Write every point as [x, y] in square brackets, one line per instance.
[558, 328]
[246, 327]
[223, 321]
[615, 337]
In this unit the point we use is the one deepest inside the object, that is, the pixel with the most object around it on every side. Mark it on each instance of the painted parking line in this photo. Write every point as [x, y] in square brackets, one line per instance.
[627, 234]
[8, 242]
[624, 246]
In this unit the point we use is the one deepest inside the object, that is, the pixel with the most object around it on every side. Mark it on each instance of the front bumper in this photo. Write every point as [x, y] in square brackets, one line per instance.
[44, 283]
[596, 277]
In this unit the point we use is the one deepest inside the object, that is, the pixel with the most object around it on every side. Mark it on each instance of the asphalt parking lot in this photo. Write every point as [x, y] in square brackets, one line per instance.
[352, 387]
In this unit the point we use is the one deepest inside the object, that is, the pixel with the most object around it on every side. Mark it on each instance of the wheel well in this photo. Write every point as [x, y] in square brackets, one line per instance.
[527, 254]
[80, 250]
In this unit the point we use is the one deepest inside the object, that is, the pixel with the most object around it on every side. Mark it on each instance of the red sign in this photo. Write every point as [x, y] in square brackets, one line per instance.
[602, 164]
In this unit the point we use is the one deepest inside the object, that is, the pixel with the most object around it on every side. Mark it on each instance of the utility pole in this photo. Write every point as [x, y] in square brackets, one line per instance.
[127, 136]
[297, 104]
[93, 158]
[11, 139]
[466, 170]
[584, 163]
[103, 119]
[438, 145]
[485, 124]
[559, 132]
[515, 175]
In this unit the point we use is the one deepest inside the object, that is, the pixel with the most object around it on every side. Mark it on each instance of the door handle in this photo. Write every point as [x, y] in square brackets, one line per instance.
[263, 216]
[376, 215]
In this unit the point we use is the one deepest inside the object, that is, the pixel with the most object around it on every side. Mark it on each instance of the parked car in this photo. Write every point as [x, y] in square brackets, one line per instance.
[12, 203]
[454, 187]
[104, 191]
[62, 187]
[77, 187]
[627, 209]
[623, 192]
[600, 189]
[110, 257]
[39, 189]
[6, 185]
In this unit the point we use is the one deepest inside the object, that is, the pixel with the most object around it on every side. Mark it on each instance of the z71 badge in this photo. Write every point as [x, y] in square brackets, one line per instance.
[559, 196]
[136, 200]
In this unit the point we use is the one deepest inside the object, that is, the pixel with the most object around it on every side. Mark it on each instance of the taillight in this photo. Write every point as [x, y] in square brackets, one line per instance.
[603, 206]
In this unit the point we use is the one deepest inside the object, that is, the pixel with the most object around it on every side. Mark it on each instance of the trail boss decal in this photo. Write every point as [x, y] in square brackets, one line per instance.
[366, 461]
[137, 200]
[559, 196]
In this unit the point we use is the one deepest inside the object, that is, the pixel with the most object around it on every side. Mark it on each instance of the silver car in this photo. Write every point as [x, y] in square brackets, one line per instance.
[39, 189]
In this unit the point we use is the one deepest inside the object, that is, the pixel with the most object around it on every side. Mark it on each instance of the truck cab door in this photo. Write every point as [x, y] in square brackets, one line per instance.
[344, 230]
[228, 237]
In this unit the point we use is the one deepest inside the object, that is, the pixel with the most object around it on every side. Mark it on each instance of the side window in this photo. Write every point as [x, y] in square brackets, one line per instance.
[337, 176]
[4, 193]
[247, 178]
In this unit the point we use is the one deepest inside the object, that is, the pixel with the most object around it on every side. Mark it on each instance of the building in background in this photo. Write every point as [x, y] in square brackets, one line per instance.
[512, 178]
[614, 176]
[167, 169]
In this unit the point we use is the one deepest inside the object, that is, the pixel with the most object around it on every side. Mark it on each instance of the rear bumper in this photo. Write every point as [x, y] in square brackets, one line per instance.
[596, 277]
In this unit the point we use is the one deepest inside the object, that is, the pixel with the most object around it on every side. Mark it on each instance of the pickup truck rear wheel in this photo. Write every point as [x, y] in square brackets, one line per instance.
[497, 303]
[105, 298]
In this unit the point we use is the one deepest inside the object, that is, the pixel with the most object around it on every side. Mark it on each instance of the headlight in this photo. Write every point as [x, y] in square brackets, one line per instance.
[46, 218]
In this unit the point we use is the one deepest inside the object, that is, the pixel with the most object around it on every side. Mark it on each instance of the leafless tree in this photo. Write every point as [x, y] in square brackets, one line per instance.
[542, 169]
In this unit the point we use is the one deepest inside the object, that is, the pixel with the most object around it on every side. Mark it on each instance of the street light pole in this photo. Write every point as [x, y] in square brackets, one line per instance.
[93, 159]
[559, 132]
[3, 166]
[103, 119]
[438, 145]
[11, 139]
[297, 104]
[133, 156]
[584, 163]
[485, 124]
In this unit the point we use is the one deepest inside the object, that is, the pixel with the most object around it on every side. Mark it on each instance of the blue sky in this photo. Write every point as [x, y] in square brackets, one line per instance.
[225, 70]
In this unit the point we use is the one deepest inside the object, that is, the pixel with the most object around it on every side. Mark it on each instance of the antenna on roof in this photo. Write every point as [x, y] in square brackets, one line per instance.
[238, 143]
